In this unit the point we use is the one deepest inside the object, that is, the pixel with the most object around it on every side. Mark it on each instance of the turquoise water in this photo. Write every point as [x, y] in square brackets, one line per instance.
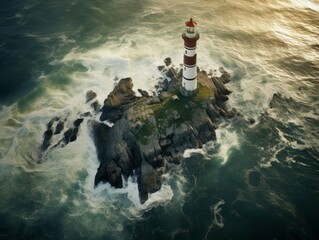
[254, 182]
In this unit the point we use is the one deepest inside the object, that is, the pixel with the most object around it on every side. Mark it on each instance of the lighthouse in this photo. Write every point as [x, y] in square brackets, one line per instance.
[189, 81]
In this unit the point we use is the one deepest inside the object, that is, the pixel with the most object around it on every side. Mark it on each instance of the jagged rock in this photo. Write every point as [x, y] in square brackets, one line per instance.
[137, 143]
[86, 114]
[143, 93]
[160, 68]
[90, 95]
[164, 95]
[221, 99]
[154, 100]
[168, 61]
[116, 144]
[59, 127]
[78, 122]
[70, 135]
[122, 94]
[47, 136]
[225, 77]
[50, 123]
[204, 126]
[164, 143]
[213, 113]
[220, 86]
[109, 172]
[275, 99]
[96, 106]
[149, 181]
[171, 73]
[251, 121]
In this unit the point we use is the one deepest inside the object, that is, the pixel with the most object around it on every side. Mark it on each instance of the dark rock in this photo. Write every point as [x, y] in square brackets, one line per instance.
[116, 144]
[74, 135]
[160, 68]
[67, 135]
[164, 143]
[154, 100]
[86, 114]
[149, 181]
[171, 73]
[112, 115]
[90, 95]
[96, 106]
[135, 144]
[109, 172]
[275, 99]
[50, 124]
[164, 95]
[122, 94]
[251, 121]
[47, 136]
[226, 114]
[168, 61]
[213, 113]
[220, 86]
[78, 122]
[158, 161]
[143, 93]
[59, 127]
[225, 77]
[70, 135]
[221, 99]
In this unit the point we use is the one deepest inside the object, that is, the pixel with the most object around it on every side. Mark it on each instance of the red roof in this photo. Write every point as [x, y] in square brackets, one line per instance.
[191, 23]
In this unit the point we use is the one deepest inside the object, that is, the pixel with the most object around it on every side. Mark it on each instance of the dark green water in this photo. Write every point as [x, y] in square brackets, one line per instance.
[254, 182]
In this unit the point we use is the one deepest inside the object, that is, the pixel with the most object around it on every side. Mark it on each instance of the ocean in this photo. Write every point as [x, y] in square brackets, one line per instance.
[257, 181]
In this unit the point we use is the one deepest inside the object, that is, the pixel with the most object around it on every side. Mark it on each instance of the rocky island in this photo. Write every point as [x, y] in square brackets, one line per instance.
[151, 132]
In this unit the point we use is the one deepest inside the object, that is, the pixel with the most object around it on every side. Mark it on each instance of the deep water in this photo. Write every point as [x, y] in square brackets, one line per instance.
[254, 182]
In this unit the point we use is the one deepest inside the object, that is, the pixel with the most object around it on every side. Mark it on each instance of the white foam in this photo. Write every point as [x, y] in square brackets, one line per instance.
[227, 140]
[188, 152]
[216, 210]
[129, 195]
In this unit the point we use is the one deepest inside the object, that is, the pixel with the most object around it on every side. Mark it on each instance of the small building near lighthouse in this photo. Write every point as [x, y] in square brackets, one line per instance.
[189, 80]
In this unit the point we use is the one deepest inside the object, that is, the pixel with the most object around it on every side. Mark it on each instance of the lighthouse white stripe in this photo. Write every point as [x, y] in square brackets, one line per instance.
[189, 79]
[190, 48]
[189, 66]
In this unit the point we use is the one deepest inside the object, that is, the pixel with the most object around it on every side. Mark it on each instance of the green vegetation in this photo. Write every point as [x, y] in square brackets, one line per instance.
[163, 112]
[185, 107]
[145, 131]
[204, 93]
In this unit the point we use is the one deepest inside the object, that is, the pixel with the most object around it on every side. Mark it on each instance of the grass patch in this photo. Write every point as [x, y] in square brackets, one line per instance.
[146, 131]
[163, 112]
[204, 93]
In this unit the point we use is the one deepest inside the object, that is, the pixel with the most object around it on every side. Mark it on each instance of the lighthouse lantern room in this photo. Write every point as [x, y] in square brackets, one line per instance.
[189, 81]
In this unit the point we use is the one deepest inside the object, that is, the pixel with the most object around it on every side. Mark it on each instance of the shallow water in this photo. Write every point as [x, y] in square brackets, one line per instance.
[254, 182]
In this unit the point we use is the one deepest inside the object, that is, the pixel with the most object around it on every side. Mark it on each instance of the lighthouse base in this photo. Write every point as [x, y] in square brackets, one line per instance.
[187, 93]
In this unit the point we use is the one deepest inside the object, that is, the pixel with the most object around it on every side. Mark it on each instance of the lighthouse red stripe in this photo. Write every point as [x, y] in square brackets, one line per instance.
[190, 60]
[190, 44]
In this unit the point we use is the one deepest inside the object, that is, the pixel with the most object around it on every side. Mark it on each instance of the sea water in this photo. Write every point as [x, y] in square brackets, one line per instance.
[254, 182]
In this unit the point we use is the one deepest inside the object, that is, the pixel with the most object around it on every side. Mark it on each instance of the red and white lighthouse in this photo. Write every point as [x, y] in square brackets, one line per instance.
[189, 82]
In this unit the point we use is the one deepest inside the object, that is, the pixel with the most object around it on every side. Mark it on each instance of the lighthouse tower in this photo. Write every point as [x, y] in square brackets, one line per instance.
[189, 82]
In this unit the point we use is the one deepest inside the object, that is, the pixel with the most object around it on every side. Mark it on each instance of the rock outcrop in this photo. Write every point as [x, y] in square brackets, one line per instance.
[149, 133]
